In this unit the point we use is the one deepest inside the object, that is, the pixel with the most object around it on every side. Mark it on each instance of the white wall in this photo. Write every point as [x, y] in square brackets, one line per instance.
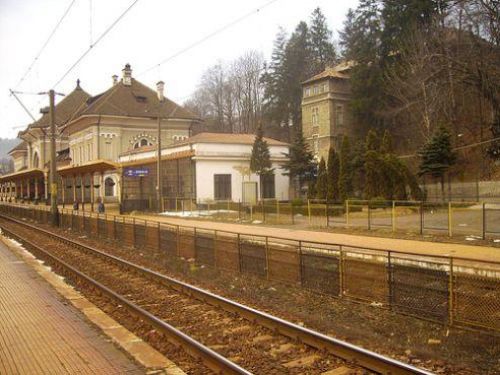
[206, 169]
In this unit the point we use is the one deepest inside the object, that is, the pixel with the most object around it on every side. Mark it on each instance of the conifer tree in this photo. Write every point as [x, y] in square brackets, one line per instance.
[274, 79]
[322, 48]
[437, 156]
[345, 170]
[300, 165]
[333, 174]
[260, 160]
[322, 180]
[371, 166]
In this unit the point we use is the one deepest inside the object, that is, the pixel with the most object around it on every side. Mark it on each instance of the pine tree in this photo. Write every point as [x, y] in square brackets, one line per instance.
[322, 180]
[437, 156]
[333, 173]
[297, 67]
[274, 80]
[322, 48]
[260, 160]
[345, 181]
[372, 166]
[386, 143]
[300, 165]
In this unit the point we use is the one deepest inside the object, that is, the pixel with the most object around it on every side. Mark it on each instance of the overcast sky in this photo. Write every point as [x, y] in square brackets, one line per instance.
[152, 31]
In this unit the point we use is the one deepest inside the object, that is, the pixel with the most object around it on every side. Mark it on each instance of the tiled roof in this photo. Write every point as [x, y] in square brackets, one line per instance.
[66, 109]
[227, 138]
[339, 71]
[136, 100]
[22, 146]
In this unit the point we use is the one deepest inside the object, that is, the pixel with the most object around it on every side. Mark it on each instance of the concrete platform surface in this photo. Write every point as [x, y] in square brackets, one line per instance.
[41, 333]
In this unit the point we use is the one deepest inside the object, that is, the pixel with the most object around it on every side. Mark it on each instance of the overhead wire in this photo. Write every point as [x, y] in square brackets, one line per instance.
[110, 27]
[205, 38]
[46, 43]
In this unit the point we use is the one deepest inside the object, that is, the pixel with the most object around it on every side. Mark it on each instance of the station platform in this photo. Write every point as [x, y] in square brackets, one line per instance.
[41, 333]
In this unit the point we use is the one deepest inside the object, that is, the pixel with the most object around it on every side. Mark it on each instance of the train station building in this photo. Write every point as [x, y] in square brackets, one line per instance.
[105, 141]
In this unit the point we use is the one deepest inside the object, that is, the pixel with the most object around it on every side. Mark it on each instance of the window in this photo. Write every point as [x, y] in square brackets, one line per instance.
[315, 141]
[176, 138]
[109, 187]
[325, 87]
[315, 116]
[222, 186]
[308, 91]
[267, 186]
[316, 89]
[339, 115]
[141, 143]
[89, 152]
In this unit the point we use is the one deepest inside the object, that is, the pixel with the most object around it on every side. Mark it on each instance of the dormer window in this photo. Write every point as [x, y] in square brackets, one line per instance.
[141, 99]
[141, 143]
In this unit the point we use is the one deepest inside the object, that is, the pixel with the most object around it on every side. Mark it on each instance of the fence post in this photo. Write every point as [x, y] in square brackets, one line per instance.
[159, 237]
[341, 272]
[393, 216]
[239, 210]
[369, 217]
[389, 280]
[450, 294]
[301, 265]
[450, 232]
[267, 258]
[309, 210]
[347, 212]
[326, 212]
[277, 211]
[421, 217]
[239, 253]
[484, 221]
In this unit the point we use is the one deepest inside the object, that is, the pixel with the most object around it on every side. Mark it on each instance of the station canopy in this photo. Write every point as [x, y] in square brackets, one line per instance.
[22, 175]
[96, 166]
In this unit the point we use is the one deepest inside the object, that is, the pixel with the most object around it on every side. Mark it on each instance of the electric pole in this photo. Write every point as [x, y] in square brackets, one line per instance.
[159, 184]
[53, 181]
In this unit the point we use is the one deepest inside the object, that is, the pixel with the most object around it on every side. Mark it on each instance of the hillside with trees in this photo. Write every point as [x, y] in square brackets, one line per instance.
[419, 65]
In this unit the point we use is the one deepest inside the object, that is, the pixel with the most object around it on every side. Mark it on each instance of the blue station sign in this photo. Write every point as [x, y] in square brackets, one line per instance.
[136, 172]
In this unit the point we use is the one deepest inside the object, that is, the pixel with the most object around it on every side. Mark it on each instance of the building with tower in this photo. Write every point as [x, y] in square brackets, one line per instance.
[325, 111]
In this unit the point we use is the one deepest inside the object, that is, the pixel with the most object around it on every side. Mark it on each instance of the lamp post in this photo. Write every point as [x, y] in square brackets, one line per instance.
[159, 183]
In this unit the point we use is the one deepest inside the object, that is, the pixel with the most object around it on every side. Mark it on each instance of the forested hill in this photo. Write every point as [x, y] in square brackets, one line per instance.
[7, 144]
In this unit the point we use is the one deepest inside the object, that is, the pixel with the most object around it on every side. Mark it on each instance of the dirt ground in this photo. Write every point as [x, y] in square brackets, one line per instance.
[420, 342]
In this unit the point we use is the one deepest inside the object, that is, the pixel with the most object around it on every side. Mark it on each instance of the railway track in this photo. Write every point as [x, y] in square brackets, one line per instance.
[225, 336]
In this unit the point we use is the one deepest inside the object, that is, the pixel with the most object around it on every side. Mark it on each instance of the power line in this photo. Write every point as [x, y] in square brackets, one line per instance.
[211, 35]
[110, 27]
[46, 43]
[464, 147]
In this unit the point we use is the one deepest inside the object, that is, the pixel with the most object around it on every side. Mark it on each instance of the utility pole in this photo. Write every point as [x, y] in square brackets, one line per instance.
[159, 185]
[53, 180]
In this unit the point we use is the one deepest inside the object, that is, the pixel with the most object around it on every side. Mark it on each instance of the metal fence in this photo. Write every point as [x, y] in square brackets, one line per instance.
[450, 290]
[476, 220]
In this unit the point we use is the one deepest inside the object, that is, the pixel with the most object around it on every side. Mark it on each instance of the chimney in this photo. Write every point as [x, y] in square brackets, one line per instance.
[160, 86]
[115, 79]
[127, 75]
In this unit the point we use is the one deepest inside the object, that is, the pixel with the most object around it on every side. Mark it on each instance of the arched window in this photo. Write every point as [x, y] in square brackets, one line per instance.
[142, 142]
[36, 160]
[109, 187]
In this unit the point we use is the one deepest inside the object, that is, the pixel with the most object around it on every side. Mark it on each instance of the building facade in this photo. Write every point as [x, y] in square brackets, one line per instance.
[326, 117]
[206, 167]
[93, 131]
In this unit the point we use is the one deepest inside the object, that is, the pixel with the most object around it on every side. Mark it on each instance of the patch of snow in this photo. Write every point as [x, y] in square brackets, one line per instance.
[257, 222]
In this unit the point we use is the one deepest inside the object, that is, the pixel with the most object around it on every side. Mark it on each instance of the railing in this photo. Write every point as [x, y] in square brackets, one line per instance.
[449, 290]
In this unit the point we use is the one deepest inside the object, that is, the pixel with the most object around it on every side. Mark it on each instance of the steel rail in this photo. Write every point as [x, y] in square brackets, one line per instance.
[362, 357]
[210, 358]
